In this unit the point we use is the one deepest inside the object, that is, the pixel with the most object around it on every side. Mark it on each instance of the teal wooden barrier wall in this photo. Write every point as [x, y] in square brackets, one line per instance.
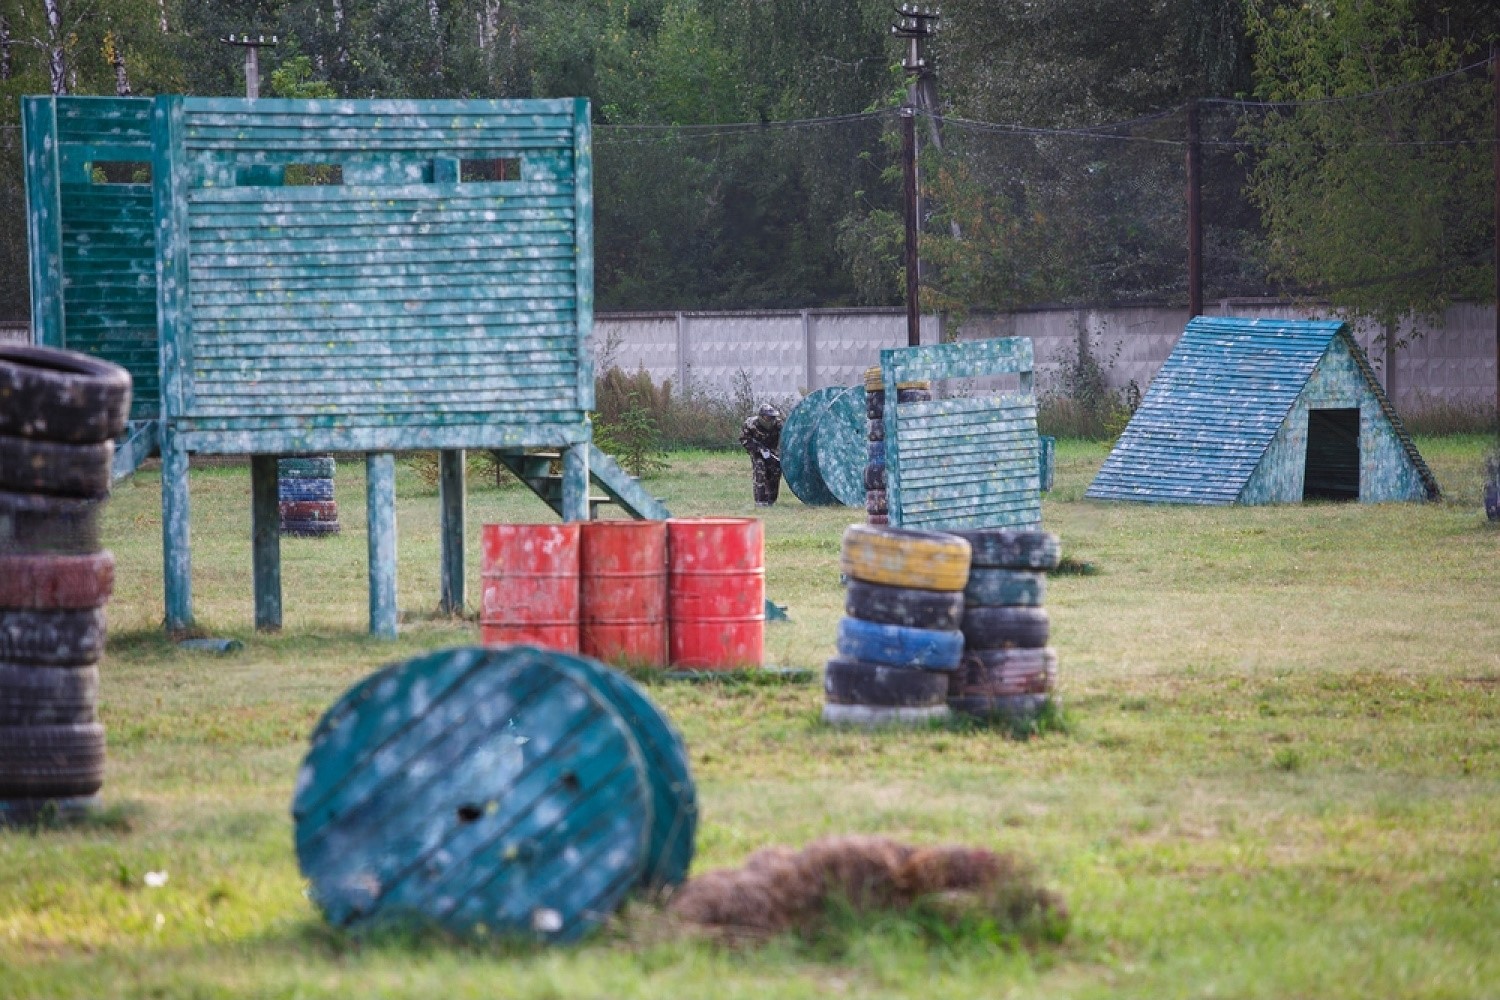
[91, 231]
[369, 276]
[968, 462]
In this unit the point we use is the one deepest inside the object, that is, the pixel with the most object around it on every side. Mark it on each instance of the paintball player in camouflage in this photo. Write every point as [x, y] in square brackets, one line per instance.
[761, 437]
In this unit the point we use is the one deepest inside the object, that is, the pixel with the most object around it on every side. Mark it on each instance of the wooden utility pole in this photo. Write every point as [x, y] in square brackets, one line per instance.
[1495, 83]
[252, 47]
[915, 26]
[1194, 213]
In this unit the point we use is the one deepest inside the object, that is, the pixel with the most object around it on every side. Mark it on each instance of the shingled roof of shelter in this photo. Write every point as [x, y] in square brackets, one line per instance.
[1216, 405]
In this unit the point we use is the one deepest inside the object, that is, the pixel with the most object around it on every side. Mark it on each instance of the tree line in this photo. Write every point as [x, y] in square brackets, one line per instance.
[1383, 208]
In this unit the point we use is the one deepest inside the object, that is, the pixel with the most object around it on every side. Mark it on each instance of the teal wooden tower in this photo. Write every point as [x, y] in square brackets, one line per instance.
[326, 276]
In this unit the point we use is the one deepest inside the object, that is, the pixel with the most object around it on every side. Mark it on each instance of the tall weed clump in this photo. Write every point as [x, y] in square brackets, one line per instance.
[1081, 403]
[633, 412]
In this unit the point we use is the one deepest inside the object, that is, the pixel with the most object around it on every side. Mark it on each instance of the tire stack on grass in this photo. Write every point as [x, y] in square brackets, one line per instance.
[900, 638]
[59, 412]
[877, 508]
[1008, 672]
[305, 491]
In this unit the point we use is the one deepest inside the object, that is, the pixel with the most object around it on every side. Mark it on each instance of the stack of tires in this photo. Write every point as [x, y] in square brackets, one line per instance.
[899, 640]
[877, 509]
[1008, 670]
[59, 413]
[305, 491]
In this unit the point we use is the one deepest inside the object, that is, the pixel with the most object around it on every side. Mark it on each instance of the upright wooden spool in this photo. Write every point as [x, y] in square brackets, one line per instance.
[517, 792]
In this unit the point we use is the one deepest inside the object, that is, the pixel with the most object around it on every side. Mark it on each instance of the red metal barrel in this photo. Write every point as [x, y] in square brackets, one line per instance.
[530, 577]
[623, 591]
[716, 591]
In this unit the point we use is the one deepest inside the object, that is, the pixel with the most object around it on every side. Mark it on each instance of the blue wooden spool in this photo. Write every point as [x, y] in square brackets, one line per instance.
[799, 458]
[674, 798]
[490, 791]
[841, 451]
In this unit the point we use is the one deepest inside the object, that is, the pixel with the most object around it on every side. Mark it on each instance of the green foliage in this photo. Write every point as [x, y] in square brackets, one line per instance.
[1368, 200]
[294, 78]
[1080, 402]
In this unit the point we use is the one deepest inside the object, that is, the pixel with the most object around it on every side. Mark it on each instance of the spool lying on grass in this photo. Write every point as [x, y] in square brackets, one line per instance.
[514, 792]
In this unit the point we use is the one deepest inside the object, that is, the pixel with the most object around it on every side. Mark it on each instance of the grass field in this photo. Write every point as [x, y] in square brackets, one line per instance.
[1280, 776]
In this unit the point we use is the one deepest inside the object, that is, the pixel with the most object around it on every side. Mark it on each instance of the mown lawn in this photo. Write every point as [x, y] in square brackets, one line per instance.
[1281, 776]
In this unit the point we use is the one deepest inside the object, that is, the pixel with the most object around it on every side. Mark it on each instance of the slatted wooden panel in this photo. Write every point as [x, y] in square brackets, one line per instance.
[1217, 404]
[99, 239]
[964, 462]
[399, 308]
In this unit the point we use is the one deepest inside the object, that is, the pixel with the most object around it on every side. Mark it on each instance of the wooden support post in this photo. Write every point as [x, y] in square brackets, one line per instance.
[380, 505]
[451, 493]
[575, 484]
[177, 551]
[265, 542]
[1194, 213]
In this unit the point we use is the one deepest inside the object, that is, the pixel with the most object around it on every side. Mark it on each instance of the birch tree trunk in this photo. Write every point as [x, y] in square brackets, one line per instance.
[57, 65]
[6, 69]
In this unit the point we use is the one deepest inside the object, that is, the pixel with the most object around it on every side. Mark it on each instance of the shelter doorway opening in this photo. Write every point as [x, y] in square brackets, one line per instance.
[1332, 471]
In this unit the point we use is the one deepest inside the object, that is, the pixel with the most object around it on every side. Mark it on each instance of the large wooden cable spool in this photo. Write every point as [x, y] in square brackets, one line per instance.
[517, 792]
[842, 449]
[799, 457]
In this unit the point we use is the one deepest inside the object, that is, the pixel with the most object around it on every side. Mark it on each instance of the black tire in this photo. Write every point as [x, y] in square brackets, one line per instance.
[906, 606]
[875, 477]
[851, 682]
[47, 695]
[1008, 548]
[52, 638]
[876, 502]
[306, 467]
[878, 520]
[991, 587]
[876, 431]
[61, 395]
[38, 761]
[1006, 708]
[913, 396]
[48, 582]
[36, 524]
[30, 465]
[875, 404]
[309, 529]
[1004, 628]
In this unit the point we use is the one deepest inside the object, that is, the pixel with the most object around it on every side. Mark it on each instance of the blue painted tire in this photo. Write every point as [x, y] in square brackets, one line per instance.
[874, 404]
[1010, 548]
[474, 788]
[305, 489]
[319, 467]
[991, 587]
[900, 646]
[876, 450]
[876, 431]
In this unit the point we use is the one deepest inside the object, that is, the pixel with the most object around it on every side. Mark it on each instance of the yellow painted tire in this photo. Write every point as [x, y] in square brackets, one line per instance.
[901, 557]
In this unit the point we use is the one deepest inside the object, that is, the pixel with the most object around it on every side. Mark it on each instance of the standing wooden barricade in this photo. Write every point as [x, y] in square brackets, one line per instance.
[968, 461]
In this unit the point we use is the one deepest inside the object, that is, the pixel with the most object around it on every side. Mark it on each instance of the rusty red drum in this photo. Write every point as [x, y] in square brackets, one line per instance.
[716, 591]
[623, 592]
[530, 578]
